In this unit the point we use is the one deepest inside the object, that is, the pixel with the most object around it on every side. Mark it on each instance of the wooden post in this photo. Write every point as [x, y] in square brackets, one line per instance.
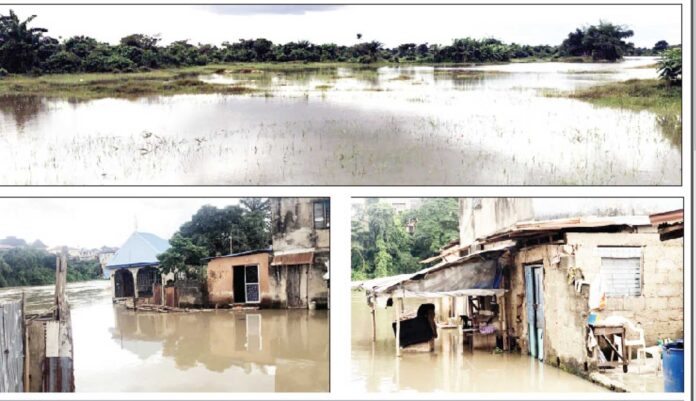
[374, 320]
[25, 330]
[61, 312]
[397, 313]
[503, 318]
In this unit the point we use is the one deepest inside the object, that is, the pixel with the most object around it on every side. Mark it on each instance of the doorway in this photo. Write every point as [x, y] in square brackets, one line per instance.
[294, 287]
[245, 284]
[123, 284]
[534, 294]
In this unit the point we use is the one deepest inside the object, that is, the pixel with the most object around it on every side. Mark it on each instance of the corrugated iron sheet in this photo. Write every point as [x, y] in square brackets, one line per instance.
[289, 259]
[667, 217]
[11, 347]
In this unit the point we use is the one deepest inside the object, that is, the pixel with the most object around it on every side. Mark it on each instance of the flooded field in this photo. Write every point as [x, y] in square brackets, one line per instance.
[122, 351]
[490, 125]
[374, 368]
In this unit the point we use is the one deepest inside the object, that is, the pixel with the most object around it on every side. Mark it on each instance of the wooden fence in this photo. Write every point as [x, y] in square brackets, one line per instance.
[11, 347]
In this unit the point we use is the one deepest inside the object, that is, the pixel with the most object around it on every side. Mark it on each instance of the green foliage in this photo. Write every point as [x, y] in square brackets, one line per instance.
[670, 65]
[25, 266]
[601, 42]
[25, 50]
[660, 46]
[216, 231]
[381, 245]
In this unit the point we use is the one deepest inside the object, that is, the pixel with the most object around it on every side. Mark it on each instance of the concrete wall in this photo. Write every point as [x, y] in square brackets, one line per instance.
[292, 225]
[479, 217]
[220, 284]
[313, 287]
[659, 308]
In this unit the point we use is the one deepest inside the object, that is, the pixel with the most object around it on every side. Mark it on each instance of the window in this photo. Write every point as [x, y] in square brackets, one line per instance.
[621, 271]
[322, 214]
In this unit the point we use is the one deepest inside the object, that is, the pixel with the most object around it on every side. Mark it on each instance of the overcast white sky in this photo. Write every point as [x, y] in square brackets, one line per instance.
[553, 207]
[392, 24]
[92, 223]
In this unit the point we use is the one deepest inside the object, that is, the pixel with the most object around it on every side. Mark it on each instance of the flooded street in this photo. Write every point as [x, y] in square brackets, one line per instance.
[490, 125]
[374, 368]
[217, 351]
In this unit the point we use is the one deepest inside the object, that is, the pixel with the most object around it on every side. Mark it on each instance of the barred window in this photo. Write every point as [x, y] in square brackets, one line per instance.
[322, 214]
[621, 270]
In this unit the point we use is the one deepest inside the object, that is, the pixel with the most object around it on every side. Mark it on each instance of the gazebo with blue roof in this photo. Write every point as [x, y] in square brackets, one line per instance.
[133, 269]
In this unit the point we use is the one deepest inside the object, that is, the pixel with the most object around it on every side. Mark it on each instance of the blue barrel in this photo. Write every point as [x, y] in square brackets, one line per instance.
[673, 364]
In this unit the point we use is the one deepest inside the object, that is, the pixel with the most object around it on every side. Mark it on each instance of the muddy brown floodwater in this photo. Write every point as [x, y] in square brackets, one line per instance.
[223, 351]
[492, 125]
[374, 368]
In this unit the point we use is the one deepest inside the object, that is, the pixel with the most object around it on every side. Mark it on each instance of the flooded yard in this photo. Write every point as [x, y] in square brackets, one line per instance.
[374, 368]
[490, 125]
[117, 350]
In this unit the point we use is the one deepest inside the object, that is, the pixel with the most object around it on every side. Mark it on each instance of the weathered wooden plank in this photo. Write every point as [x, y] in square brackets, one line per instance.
[11, 347]
[58, 375]
[36, 353]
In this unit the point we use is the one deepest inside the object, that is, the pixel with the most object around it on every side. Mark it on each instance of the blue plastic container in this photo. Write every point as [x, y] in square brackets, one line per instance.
[673, 364]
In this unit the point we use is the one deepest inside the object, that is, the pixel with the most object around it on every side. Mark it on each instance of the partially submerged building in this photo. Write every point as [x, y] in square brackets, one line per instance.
[524, 274]
[299, 271]
[294, 273]
[240, 279]
[133, 268]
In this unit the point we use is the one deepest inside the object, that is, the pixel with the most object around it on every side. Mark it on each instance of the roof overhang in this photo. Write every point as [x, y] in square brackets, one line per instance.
[293, 258]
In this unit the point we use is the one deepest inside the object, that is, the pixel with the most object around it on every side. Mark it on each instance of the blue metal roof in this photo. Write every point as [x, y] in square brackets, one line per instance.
[139, 250]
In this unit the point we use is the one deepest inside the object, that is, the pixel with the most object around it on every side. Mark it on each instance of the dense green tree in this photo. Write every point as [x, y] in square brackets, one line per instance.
[660, 46]
[216, 231]
[601, 42]
[382, 246]
[19, 44]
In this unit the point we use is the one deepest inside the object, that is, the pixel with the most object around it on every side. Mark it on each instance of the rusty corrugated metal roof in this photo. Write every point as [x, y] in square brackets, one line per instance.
[667, 217]
[297, 258]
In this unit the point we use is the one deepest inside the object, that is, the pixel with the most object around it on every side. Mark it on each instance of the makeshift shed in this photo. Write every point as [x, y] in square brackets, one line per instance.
[475, 275]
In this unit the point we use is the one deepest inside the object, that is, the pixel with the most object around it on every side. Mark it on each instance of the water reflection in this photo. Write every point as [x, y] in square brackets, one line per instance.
[374, 367]
[389, 125]
[117, 350]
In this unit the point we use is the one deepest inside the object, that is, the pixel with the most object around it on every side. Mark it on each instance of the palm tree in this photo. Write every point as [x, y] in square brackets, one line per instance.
[19, 44]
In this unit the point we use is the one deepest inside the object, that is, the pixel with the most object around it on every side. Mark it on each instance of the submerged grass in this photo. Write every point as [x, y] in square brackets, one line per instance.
[652, 95]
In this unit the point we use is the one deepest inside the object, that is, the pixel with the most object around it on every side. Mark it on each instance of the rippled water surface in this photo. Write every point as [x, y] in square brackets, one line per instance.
[374, 367]
[117, 350]
[485, 125]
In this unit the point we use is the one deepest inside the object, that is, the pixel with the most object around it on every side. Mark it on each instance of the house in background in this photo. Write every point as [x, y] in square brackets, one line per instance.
[133, 268]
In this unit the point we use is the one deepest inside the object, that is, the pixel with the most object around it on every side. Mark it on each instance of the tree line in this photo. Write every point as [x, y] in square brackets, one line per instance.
[214, 231]
[385, 242]
[25, 49]
[28, 265]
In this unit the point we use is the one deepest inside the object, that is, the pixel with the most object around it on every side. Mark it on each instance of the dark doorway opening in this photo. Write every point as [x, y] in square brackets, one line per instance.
[123, 284]
[238, 284]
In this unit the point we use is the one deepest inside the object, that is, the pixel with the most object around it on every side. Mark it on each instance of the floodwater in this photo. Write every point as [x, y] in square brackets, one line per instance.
[374, 368]
[217, 351]
[490, 125]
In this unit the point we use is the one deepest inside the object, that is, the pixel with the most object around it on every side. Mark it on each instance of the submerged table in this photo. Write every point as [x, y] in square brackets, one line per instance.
[604, 331]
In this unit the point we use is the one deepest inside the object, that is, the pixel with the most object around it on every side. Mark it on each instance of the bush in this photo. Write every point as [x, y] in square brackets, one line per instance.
[3, 72]
[63, 62]
[670, 65]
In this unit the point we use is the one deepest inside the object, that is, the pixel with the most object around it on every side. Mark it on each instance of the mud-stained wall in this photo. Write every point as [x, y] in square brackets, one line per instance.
[659, 308]
[312, 285]
[220, 283]
[483, 216]
[292, 221]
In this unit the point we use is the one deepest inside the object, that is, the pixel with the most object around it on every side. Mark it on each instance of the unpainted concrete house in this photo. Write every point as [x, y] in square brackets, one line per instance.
[551, 257]
[299, 272]
[294, 274]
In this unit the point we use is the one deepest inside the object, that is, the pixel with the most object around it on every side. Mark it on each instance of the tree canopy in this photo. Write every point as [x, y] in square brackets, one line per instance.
[381, 244]
[26, 265]
[27, 49]
[214, 231]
